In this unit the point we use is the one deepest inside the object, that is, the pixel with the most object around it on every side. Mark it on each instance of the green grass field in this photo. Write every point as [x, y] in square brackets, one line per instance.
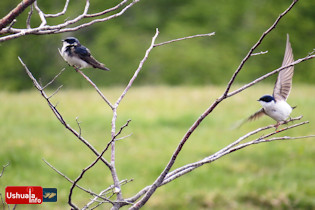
[276, 175]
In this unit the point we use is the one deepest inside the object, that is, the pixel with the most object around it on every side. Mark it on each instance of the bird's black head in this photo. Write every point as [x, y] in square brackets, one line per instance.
[71, 40]
[267, 98]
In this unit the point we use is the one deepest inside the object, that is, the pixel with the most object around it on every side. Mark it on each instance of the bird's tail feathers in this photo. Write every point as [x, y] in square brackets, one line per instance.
[101, 66]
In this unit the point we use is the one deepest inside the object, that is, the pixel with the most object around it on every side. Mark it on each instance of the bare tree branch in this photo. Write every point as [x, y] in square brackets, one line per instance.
[41, 15]
[56, 91]
[171, 162]
[92, 164]
[231, 148]
[2, 171]
[104, 192]
[59, 13]
[268, 75]
[28, 19]
[184, 38]
[260, 53]
[114, 173]
[107, 10]
[14, 13]
[273, 26]
[96, 88]
[139, 68]
[224, 151]
[71, 181]
[59, 116]
[49, 83]
[43, 28]
[166, 175]
[79, 126]
[3, 167]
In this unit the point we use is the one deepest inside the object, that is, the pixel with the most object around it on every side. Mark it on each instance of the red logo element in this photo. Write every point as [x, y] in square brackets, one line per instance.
[23, 195]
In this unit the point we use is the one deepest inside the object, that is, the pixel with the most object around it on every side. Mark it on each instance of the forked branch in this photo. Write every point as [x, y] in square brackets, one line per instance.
[59, 116]
[166, 175]
[67, 26]
[158, 182]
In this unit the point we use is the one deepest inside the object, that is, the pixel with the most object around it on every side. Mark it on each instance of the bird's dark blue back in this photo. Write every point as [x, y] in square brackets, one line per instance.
[82, 51]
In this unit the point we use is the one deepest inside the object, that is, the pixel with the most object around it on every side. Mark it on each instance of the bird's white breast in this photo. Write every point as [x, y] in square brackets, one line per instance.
[279, 111]
[73, 60]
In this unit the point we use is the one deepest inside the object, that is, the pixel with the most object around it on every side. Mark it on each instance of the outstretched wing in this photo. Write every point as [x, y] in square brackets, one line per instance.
[85, 55]
[256, 115]
[284, 81]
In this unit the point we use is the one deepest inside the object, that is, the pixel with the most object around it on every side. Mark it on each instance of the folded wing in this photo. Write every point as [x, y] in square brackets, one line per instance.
[85, 55]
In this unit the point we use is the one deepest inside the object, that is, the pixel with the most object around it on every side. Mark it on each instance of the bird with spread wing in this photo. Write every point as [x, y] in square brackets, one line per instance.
[276, 106]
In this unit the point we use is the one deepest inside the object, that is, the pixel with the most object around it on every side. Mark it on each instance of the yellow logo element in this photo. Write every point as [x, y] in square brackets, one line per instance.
[49, 195]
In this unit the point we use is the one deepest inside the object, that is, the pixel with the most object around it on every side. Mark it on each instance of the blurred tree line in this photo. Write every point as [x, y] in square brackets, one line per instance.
[121, 43]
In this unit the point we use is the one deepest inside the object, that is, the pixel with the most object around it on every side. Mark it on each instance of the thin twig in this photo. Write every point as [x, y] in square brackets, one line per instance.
[14, 13]
[3, 167]
[261, 140]
[96, 88]
[113, 124]
[41, 15]
[240, 67]
[59, 13]
[78, 123]
[49, 83]
[124, 137]
[91, 165]
[184, 38]
[244, 87]
[12, 23]
[62, 27]
[311, 53]
[59, 116]
[71, 181]
[289, 138]
[28, 19]
[138, 69]
[104, 192]
[56, 91]
[224, 151]
[255, 132]
[107, 10]
[2, 171]
[260, 53]
[171, 162]
[229, 149]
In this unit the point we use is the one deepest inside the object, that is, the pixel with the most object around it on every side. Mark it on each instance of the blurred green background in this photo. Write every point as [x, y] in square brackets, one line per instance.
[275, 175]
[176, 84]
[120, 43]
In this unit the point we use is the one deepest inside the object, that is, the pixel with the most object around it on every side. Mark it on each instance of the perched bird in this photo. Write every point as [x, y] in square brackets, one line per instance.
[78, 56]
[275, 106]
